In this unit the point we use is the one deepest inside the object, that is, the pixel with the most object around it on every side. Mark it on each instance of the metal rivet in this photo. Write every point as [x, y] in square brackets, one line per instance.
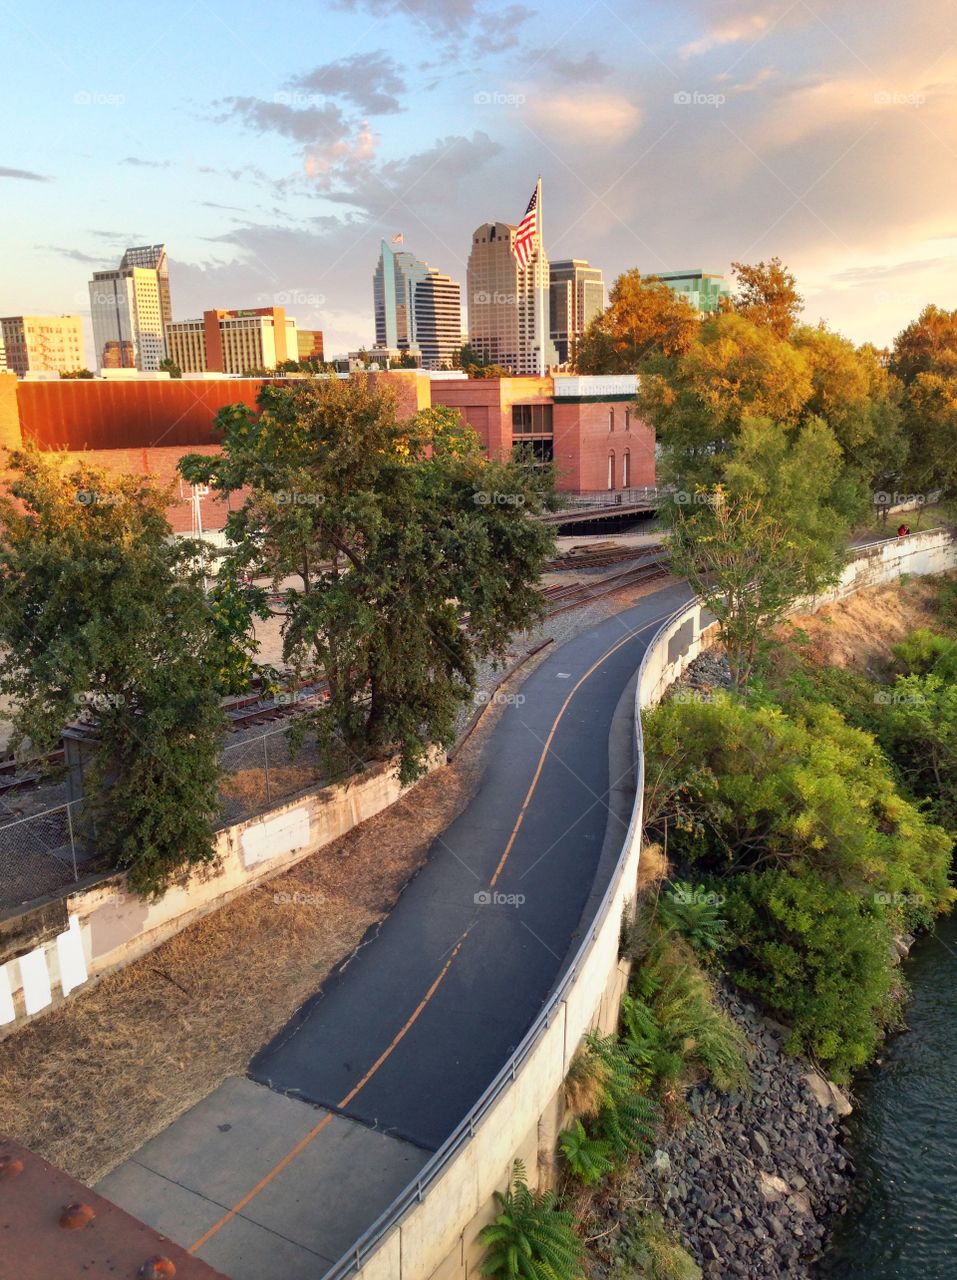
[75, 1216]
[157, 1268]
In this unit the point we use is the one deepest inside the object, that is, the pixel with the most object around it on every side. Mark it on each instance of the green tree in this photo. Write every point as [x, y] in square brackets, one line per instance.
[767, 296]
[930, 424]
[168, 365]
[68, 374]
[415, 555]
[771, 534]
[102, 612]
[644, 317]
[732, 371]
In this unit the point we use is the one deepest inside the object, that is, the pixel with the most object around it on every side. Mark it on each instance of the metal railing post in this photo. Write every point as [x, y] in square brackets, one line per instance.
[69, 820]
[266, 738]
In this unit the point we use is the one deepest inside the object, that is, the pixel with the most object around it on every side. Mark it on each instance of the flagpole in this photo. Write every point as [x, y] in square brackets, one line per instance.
[542, 325]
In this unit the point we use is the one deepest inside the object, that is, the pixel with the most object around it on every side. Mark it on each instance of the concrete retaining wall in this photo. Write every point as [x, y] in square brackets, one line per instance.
[435, 1237]
[56, 947]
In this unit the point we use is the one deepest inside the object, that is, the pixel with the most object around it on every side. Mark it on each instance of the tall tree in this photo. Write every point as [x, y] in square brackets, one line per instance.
[102, 613]
[644, 317]
[768, 296]
[733, 370]
[415, 555]
[927, 345]
[772, 533]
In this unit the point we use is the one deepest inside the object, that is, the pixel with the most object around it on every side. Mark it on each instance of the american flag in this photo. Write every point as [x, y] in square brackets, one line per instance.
[398, 239]
[526, 233]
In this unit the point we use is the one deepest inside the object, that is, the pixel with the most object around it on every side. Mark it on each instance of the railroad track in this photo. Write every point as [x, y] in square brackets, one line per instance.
[576, 595]
[254, 710]
[604, 554]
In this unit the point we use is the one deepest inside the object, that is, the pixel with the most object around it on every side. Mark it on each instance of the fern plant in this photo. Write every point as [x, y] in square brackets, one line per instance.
[628, 1118]
[531, 1239]
[693, 914]
[588, 1159]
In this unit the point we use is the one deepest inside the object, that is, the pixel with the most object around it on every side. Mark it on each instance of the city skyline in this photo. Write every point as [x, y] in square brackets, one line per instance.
[711, 133]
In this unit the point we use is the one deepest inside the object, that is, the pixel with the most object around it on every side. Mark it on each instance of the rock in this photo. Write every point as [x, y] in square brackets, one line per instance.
[759, 1144]
[799, 1202]
[827, 1094]
[661, 1162]
[772, 1187]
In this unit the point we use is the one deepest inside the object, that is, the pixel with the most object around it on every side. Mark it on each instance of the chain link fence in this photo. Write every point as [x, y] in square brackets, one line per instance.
[264, 770]
[40, 854]
[46, 852]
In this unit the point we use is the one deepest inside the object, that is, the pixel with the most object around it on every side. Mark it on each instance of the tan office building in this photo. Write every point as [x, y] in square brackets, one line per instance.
[42, 344]
[130, 308]
[233, 341]
[505, 302]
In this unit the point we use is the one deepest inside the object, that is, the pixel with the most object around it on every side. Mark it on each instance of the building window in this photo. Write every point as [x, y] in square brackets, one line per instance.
[531, 419]
[626, 470]
[611, 419]
[627, 419]
[611, 469]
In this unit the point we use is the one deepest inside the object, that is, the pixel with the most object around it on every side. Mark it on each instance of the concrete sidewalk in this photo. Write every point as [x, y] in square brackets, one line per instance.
[187, 1179]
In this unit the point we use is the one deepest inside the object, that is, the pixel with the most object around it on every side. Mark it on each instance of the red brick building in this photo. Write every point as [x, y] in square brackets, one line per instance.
[145, 426]
[585, 425]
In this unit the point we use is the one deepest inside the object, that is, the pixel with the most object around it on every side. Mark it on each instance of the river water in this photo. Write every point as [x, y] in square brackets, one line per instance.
[902, 1223]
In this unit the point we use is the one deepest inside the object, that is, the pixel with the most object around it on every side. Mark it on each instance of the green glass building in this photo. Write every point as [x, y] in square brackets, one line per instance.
[702, 289]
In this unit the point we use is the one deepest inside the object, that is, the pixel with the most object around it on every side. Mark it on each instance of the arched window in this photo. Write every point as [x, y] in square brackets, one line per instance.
[627, 419]
[611, 419]
[626, 470]
[611, 469]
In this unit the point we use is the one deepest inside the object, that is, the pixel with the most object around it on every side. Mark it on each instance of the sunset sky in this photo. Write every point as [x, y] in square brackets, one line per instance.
[272, 147]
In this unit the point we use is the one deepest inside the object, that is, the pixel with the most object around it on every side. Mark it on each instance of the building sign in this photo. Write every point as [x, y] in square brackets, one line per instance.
[596, 386]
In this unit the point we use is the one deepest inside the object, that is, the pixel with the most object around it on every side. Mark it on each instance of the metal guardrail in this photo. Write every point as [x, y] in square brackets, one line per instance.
[613, 497]
[414, 1193]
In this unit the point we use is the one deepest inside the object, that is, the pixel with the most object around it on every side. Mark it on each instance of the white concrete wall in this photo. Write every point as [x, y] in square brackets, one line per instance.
[108, 927]
[435, 1238]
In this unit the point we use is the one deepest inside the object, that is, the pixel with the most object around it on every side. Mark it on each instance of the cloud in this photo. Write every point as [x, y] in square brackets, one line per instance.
[588, 68]
[23, 175]
[423, 180]
[74, 255]
[485, 29]
[146, 164]
[370, 80]
[308, 125]
[749, 86]
[211, 204]
[603, 118]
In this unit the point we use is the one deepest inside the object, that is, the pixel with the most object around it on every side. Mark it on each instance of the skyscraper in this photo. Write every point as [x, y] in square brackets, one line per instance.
[233, 341]
[131, 308]
[417, 309]
[576, 296]
[504, 300]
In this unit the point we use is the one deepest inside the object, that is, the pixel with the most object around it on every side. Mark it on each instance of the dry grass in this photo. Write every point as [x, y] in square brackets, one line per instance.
[858, 632]
[584, 1085]
[88, 1083]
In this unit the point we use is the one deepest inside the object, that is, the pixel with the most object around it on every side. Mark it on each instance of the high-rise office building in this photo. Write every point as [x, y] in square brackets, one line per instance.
[233, 341]
[576, 296]
[704, 291]
[131, 308]
[417, 309]
[504, 301]
[41, 344]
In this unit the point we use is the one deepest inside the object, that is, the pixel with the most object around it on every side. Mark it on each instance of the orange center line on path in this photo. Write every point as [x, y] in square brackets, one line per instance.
[413, 1017]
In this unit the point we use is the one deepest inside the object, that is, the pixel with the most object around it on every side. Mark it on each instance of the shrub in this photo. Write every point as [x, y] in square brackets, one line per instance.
[627, 1117]
[531, 1239]
[673, 1023]
[819, 956]
[751, 788]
